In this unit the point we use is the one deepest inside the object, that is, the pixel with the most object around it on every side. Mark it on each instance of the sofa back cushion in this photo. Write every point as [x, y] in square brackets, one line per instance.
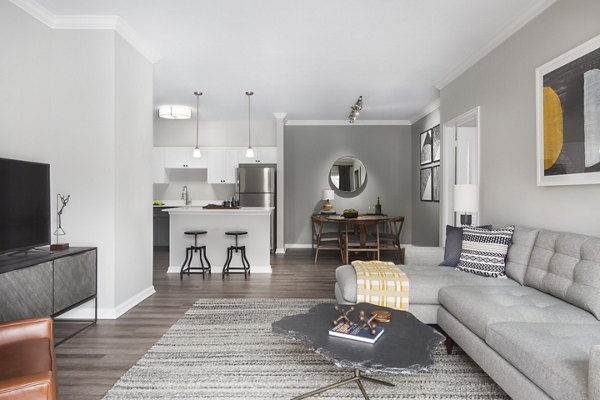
[567, 266]
[519, 252]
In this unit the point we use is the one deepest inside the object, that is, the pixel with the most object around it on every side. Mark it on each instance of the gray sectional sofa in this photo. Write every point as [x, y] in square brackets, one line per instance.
[537, 333]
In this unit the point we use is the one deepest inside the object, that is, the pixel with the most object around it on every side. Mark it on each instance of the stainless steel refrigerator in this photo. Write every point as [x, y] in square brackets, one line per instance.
[257, 187]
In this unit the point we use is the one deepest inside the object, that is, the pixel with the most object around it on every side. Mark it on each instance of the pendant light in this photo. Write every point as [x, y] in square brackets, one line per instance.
[249, 150]
[197, 153]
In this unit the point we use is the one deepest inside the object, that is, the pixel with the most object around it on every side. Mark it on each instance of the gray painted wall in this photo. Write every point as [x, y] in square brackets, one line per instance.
[425, 214]
[503, 84]
[311, 150]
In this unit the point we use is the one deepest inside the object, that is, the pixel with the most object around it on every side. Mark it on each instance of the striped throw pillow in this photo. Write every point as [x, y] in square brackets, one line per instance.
[484, 252]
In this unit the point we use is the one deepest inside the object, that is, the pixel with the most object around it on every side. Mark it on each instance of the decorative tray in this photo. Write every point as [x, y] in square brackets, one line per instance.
[220, 207]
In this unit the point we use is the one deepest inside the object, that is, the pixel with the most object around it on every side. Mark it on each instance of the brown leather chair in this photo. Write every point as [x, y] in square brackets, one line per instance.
[27, 360]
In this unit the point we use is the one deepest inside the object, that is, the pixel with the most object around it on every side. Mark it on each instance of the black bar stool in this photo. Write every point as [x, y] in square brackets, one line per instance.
[189, 253]
[227, 269]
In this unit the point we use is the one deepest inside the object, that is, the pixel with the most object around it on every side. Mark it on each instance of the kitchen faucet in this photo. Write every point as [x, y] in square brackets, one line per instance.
[185, 195]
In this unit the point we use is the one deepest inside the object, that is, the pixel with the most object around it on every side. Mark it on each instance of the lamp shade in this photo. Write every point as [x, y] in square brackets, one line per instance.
[328, 194]
[466, 198]
[175, 112]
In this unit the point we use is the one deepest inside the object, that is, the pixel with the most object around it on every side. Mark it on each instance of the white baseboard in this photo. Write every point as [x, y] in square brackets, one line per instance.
[255, 269]
[280, 250]
[86, 311]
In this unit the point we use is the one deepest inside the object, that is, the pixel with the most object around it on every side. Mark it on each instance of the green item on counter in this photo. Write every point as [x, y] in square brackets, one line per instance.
[158, 203]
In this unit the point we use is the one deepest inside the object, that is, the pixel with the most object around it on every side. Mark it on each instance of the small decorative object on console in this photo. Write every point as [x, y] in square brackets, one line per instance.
[350, 213]
[60, 199]
[378, 207]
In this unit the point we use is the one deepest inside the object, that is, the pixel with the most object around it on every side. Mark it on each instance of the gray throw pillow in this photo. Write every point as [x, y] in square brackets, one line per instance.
[453, 248]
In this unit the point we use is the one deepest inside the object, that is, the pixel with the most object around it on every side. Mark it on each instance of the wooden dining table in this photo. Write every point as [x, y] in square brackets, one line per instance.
[361, 223]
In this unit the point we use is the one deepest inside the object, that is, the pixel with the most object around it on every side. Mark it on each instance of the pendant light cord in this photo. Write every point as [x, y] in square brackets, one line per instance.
[197, 116]
[249, 135]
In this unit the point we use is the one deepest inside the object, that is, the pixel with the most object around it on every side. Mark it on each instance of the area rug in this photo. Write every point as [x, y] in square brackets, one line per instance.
[224, 349]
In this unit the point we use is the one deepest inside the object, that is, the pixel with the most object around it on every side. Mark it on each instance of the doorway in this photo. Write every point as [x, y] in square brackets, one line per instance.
[460, 164]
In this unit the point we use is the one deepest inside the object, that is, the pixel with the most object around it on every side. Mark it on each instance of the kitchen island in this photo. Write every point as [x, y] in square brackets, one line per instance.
[255, 220]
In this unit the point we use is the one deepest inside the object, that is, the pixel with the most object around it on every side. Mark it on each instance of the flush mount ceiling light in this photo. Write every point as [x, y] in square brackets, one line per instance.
[175, 112]
[249, 150]
[355, 110]
[197, 153]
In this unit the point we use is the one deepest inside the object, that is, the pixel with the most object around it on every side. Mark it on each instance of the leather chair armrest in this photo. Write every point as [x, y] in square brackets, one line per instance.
[25, 329]
[594, 374]
[31, 387]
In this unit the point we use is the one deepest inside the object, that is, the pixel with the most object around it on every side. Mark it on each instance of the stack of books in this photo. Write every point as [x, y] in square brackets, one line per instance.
[354, 332]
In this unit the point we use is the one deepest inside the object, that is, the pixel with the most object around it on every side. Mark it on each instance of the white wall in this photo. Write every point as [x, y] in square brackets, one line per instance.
[503, 84]
[57, 105]
[133, 175]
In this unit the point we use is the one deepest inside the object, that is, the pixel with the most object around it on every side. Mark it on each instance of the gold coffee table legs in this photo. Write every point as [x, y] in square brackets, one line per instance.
[356, 378]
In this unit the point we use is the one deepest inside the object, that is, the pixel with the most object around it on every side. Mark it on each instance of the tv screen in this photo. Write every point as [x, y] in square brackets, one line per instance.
[24, 205]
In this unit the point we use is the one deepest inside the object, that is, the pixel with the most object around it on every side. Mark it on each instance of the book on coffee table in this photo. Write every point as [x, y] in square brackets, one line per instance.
[354, 332]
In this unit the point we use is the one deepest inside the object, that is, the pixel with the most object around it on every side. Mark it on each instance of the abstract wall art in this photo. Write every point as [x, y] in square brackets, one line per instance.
[436, 144]
[426, 145]
[568, 117]
[426, 184]
[435, 181]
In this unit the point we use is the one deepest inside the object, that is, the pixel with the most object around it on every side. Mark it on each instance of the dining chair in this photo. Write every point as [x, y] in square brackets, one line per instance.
[357, 238]
[390, 239]
[325, 240]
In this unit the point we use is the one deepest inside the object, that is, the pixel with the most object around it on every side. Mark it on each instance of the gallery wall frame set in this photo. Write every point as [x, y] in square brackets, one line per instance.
[568, 117]
[430, 153]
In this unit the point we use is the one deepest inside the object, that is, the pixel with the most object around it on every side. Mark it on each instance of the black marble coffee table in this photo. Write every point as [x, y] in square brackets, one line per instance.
[406, 346]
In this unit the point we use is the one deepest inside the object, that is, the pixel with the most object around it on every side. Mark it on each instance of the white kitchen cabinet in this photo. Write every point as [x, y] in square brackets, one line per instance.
[262, 155]
[159, 175]
[181, 157]
[222, 164]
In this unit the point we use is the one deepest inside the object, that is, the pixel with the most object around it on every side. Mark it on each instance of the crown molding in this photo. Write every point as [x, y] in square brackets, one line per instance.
[331, 122]
[507, 32]
[431, 107]
[98, 22]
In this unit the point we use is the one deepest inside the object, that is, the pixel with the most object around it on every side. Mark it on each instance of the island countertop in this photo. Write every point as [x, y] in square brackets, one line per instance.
[254, 220]
[220, 211]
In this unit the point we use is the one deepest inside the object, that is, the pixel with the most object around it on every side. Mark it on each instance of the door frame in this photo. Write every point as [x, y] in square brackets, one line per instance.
[448, 165]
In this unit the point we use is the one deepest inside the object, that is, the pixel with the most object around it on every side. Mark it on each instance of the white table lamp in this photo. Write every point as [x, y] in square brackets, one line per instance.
[328, 194]
[466, 202]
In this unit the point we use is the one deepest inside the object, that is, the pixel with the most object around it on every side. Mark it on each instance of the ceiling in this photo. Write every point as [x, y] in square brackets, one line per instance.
[311, 58]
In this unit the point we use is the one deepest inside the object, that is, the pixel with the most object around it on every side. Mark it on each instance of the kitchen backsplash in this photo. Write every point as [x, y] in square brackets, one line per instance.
[198, 188]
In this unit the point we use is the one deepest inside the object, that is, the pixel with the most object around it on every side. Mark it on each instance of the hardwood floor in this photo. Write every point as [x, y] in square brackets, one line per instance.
[90, 363]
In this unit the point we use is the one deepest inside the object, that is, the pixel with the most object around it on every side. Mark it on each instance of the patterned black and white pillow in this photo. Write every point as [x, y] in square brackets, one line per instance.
[484, 252]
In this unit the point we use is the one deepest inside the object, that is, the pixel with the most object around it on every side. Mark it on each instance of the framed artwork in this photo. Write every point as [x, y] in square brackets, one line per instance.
[436, 147]
[568, 117]
[426, 184]
[426, 145]
[435, 183]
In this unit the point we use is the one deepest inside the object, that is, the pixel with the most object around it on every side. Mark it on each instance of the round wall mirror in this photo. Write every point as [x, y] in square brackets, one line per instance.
[348, 174]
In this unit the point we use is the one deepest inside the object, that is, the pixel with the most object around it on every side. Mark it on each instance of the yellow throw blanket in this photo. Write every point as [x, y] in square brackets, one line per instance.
[381, 283]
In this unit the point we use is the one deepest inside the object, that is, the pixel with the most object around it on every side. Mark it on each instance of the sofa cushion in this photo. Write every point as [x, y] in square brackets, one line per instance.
[484, 252]
[424, 281]
[479, 307]
[519, 252]
[567, 265]
[555, 356]
[453, 247]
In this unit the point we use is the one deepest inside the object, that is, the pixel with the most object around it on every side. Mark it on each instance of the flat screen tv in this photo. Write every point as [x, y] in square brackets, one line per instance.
[24, 205]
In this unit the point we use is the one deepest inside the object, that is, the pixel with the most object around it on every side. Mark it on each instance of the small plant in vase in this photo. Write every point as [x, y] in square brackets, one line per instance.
[350, 213]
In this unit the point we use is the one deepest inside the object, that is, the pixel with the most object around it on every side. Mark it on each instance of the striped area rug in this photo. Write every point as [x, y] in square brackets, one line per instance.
[224, 349]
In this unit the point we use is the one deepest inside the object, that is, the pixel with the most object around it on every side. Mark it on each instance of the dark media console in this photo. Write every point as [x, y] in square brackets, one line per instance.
[42, 284]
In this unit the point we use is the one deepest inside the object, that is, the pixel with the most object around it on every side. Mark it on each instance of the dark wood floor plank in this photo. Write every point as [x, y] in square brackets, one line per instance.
[90, 363]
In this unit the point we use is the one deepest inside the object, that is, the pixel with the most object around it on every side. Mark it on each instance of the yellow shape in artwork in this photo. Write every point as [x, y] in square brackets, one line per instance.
[553, 127]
